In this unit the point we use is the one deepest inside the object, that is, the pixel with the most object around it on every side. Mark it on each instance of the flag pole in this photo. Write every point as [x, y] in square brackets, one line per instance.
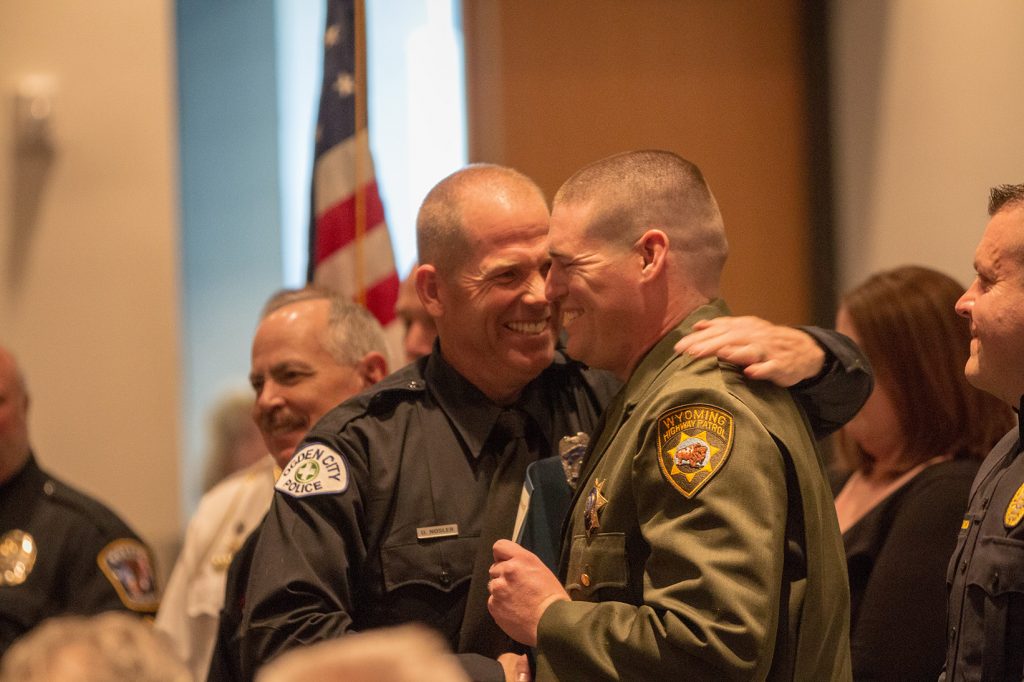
[361, 129]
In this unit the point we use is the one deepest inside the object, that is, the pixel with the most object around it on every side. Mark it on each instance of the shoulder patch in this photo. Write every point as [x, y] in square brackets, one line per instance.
[1014, 510]
[314, 470]
[693, 443]
[127, 566]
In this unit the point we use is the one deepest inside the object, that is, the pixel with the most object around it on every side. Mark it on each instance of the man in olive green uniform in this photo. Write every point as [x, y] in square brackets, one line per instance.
[702, 541]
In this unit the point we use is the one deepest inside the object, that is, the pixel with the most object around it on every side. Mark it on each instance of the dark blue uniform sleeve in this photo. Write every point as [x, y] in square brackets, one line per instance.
[834, 396]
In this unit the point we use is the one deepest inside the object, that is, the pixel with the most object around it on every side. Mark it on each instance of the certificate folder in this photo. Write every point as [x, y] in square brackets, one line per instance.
[542, 507]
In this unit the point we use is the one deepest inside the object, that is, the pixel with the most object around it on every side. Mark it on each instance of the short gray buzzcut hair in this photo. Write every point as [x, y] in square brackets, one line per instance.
[352, 331]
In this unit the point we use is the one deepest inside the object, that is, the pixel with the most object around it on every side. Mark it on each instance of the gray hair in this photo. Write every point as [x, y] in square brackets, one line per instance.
[110, 646]
[352, 331]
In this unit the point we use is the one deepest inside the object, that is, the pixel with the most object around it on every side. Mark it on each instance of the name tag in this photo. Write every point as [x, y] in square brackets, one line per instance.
[431, 532]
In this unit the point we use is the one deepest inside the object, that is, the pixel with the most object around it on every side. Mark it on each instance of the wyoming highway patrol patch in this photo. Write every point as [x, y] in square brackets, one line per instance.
[693, 443]
[314, 470]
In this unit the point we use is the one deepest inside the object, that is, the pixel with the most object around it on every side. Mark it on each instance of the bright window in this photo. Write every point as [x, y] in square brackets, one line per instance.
[417, 113]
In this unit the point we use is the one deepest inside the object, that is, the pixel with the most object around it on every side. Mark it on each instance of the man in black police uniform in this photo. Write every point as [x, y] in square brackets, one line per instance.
[986, 572]
[312, 349]
[61, 552]
[388, 510]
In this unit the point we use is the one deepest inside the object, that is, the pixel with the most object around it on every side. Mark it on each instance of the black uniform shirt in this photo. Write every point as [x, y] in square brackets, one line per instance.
[986, 572]
[62, 552]
[399, 542]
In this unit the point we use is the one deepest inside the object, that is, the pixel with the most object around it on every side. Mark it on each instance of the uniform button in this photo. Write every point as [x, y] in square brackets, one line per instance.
[446, 578]
[963, 566]
[414, 384]
[585, 579]
[48, 488]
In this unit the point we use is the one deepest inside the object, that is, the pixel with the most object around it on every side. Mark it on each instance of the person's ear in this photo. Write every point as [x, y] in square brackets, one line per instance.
[427, 288]
[372, 368]
[653, 249]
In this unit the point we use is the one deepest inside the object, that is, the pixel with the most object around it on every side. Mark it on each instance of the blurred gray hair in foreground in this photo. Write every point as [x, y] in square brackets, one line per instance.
[104, 648]
[409, 653]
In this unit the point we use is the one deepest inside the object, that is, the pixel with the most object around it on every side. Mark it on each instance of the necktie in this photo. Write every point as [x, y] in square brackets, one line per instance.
[508, 442]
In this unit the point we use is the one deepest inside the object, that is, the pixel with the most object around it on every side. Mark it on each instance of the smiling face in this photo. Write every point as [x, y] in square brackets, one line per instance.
[493, 319]
[296, 379]
[595, 285]
[994, 304]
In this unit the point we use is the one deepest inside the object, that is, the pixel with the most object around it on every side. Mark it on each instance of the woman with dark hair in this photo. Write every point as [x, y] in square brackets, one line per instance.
[913, 449]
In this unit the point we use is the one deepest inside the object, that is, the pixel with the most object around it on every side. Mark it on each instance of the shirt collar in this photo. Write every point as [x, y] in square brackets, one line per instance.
[471, 413]
[653, 364]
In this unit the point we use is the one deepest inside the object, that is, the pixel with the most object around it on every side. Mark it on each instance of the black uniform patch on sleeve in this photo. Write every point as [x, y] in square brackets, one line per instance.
[693, 443]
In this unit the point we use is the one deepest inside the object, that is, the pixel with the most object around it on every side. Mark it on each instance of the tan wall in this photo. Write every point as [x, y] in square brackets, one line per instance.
[555, 85]
[88, 251]
[927, 106]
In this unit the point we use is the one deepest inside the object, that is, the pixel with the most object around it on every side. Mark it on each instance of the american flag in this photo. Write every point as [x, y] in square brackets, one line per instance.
[349, 245]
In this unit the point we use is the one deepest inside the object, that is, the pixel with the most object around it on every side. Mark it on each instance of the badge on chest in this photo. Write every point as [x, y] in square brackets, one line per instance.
[18, 552]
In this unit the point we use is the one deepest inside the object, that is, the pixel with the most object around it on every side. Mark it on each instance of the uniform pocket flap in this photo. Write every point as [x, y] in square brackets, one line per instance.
[997, 565]
[596, 563]
[442, 563]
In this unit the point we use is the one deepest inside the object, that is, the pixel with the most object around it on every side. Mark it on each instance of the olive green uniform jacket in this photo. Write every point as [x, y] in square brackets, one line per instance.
[713, 550]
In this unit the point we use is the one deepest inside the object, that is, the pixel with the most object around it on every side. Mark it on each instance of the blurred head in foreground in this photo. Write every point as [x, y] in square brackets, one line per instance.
[110, 646]
[410, 653]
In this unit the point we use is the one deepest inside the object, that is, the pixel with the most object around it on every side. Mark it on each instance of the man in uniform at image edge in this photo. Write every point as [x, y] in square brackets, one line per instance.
[413, 479]
[986, 571]
[61, 552]
[702, 541]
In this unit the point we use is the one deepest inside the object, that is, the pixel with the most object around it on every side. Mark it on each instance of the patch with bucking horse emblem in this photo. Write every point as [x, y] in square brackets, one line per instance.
[693, 443]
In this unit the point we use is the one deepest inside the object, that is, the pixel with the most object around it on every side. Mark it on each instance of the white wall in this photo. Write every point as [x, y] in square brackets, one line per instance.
[927, 108]
[88, 251]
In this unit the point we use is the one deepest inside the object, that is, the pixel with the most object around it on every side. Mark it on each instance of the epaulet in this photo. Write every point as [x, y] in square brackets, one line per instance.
[405, 384]
[107, 522]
